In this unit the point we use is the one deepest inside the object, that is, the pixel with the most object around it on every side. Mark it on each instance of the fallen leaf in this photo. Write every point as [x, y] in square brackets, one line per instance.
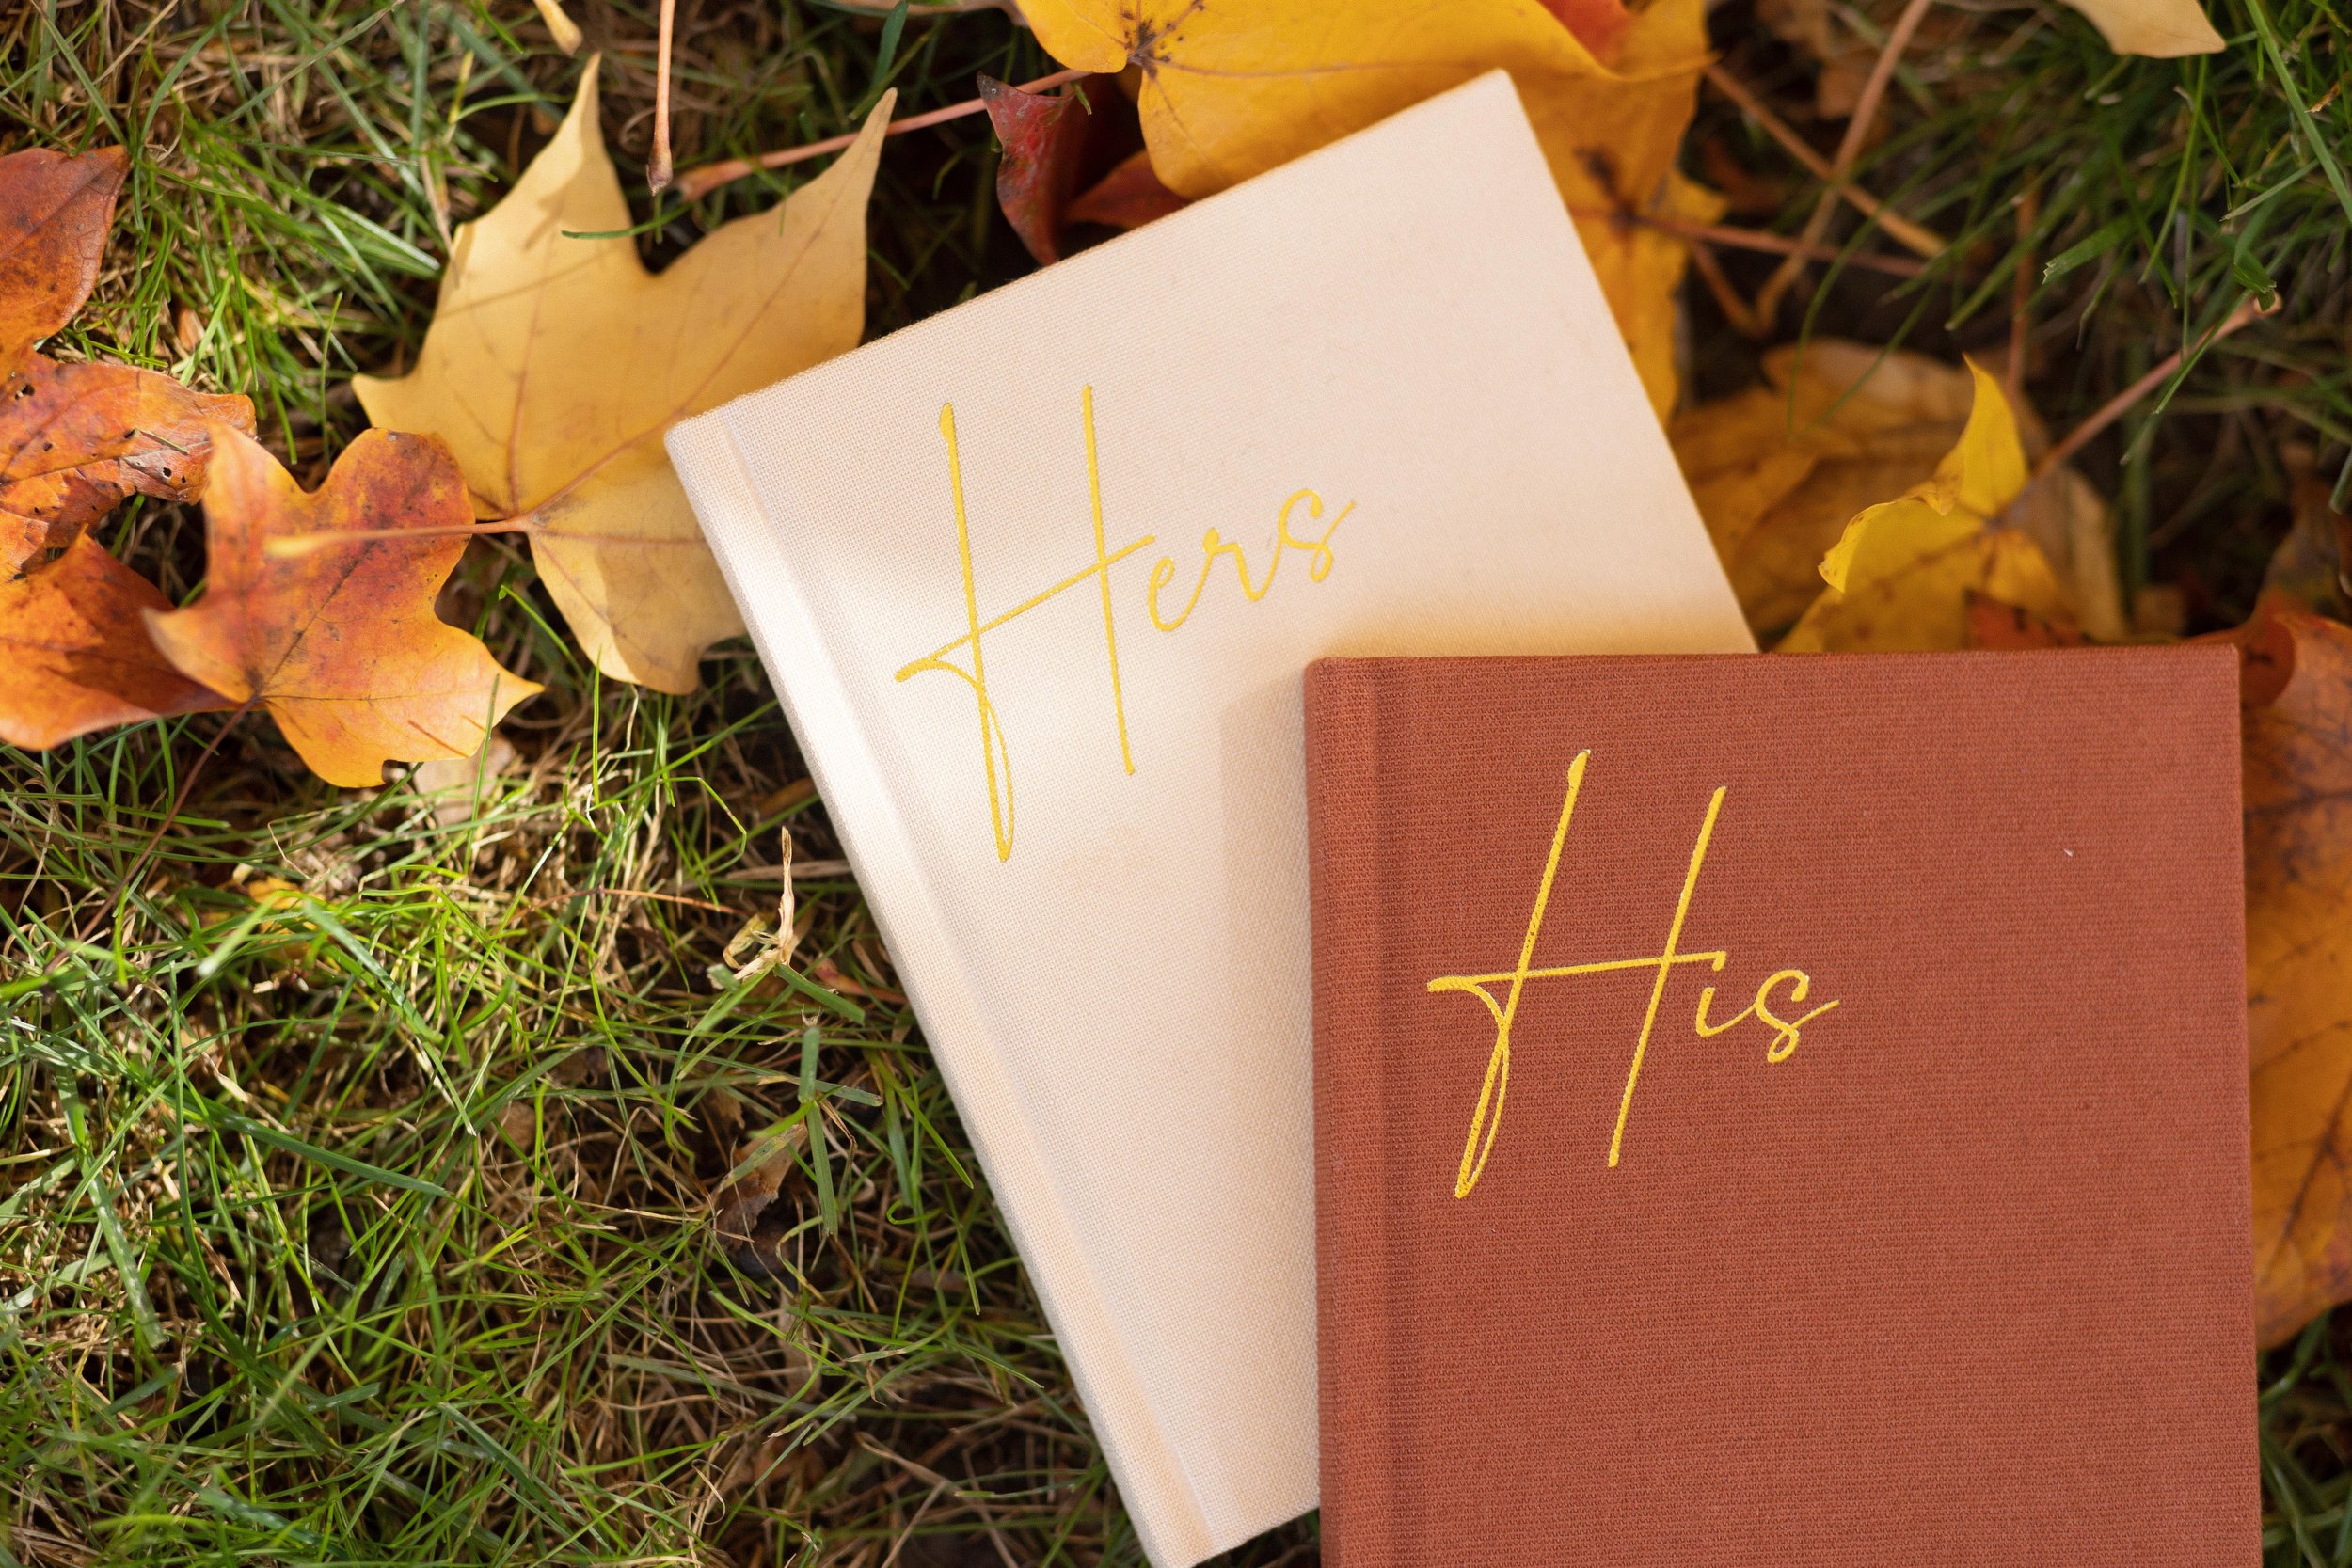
[2312, 569]
[554, 364]
[1901, 574]
[55, 211]
[1640, 268]
[80, 438]
[336, 635]
[1044, 135]
[1596, 23]
[1232, 89]
[2162, 29]
[2298, 960]
[271, 893]
[459, 786]
[761, 947]
[1994, 625]
[1779, 469]
[742, 1204]
[75, 655]
[1129, 197]
[519, 1124]
[1844, 47]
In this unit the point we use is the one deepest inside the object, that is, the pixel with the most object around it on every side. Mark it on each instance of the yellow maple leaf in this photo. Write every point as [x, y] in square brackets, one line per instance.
[1232, 90]
[2164, 29]
[555, 363]
[1900, 575]
[1777, 471]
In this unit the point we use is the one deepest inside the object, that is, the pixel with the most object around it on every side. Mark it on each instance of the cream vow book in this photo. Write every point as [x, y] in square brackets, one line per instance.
[1037, 580]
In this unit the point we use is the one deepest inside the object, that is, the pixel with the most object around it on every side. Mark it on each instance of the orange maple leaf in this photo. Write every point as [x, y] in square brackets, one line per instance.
[319, 605]
[76, 439]
[73, 636]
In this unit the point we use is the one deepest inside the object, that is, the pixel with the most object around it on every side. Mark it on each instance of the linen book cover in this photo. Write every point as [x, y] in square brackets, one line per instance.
[1784, 1110]
[1036, 580]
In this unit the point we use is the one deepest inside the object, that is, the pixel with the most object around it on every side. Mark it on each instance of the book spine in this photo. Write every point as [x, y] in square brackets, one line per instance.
[1162, 1504]
[1353, 1312]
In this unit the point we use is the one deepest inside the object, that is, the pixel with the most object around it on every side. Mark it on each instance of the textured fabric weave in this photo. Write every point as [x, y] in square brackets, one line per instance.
[1964, 1279]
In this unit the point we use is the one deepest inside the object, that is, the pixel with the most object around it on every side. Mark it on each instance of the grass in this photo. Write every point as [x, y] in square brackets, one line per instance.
[364, 1158]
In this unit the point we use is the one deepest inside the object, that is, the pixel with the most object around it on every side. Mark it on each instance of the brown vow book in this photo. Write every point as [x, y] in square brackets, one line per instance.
[1782, 1110]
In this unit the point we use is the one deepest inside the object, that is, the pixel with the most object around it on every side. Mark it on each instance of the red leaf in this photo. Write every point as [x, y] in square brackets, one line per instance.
[1043, 135]
[1596, 23]
[1128, 197]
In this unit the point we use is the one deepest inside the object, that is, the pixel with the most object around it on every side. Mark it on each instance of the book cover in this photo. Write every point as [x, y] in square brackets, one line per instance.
[1036, 580]
[1783, 1110]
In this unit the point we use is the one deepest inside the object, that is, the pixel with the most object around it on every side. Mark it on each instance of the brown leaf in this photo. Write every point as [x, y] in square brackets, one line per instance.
[1844, 57]
[1045, 136]
[320, 606]
[742, 1204]
[2299, 957]
[75, 655]
[54, 214]
[1129, 197]
[2310, 566]
[80, 439]
[1992, 624]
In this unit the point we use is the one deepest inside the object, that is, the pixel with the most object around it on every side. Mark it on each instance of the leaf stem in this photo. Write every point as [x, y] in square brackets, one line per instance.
[2120, 404]
[1911, 236]
[1753, 239]
[695, 184]
[1866, 111]
[658, 166]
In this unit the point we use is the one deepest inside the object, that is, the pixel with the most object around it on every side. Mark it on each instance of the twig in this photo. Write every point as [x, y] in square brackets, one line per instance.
[2021, 294]
[1866, 110]
[695, 184]
[1753, 239]
[657, 167]
[1727, 298]
[798, 871]
[1911, 236]
[2120, 404]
